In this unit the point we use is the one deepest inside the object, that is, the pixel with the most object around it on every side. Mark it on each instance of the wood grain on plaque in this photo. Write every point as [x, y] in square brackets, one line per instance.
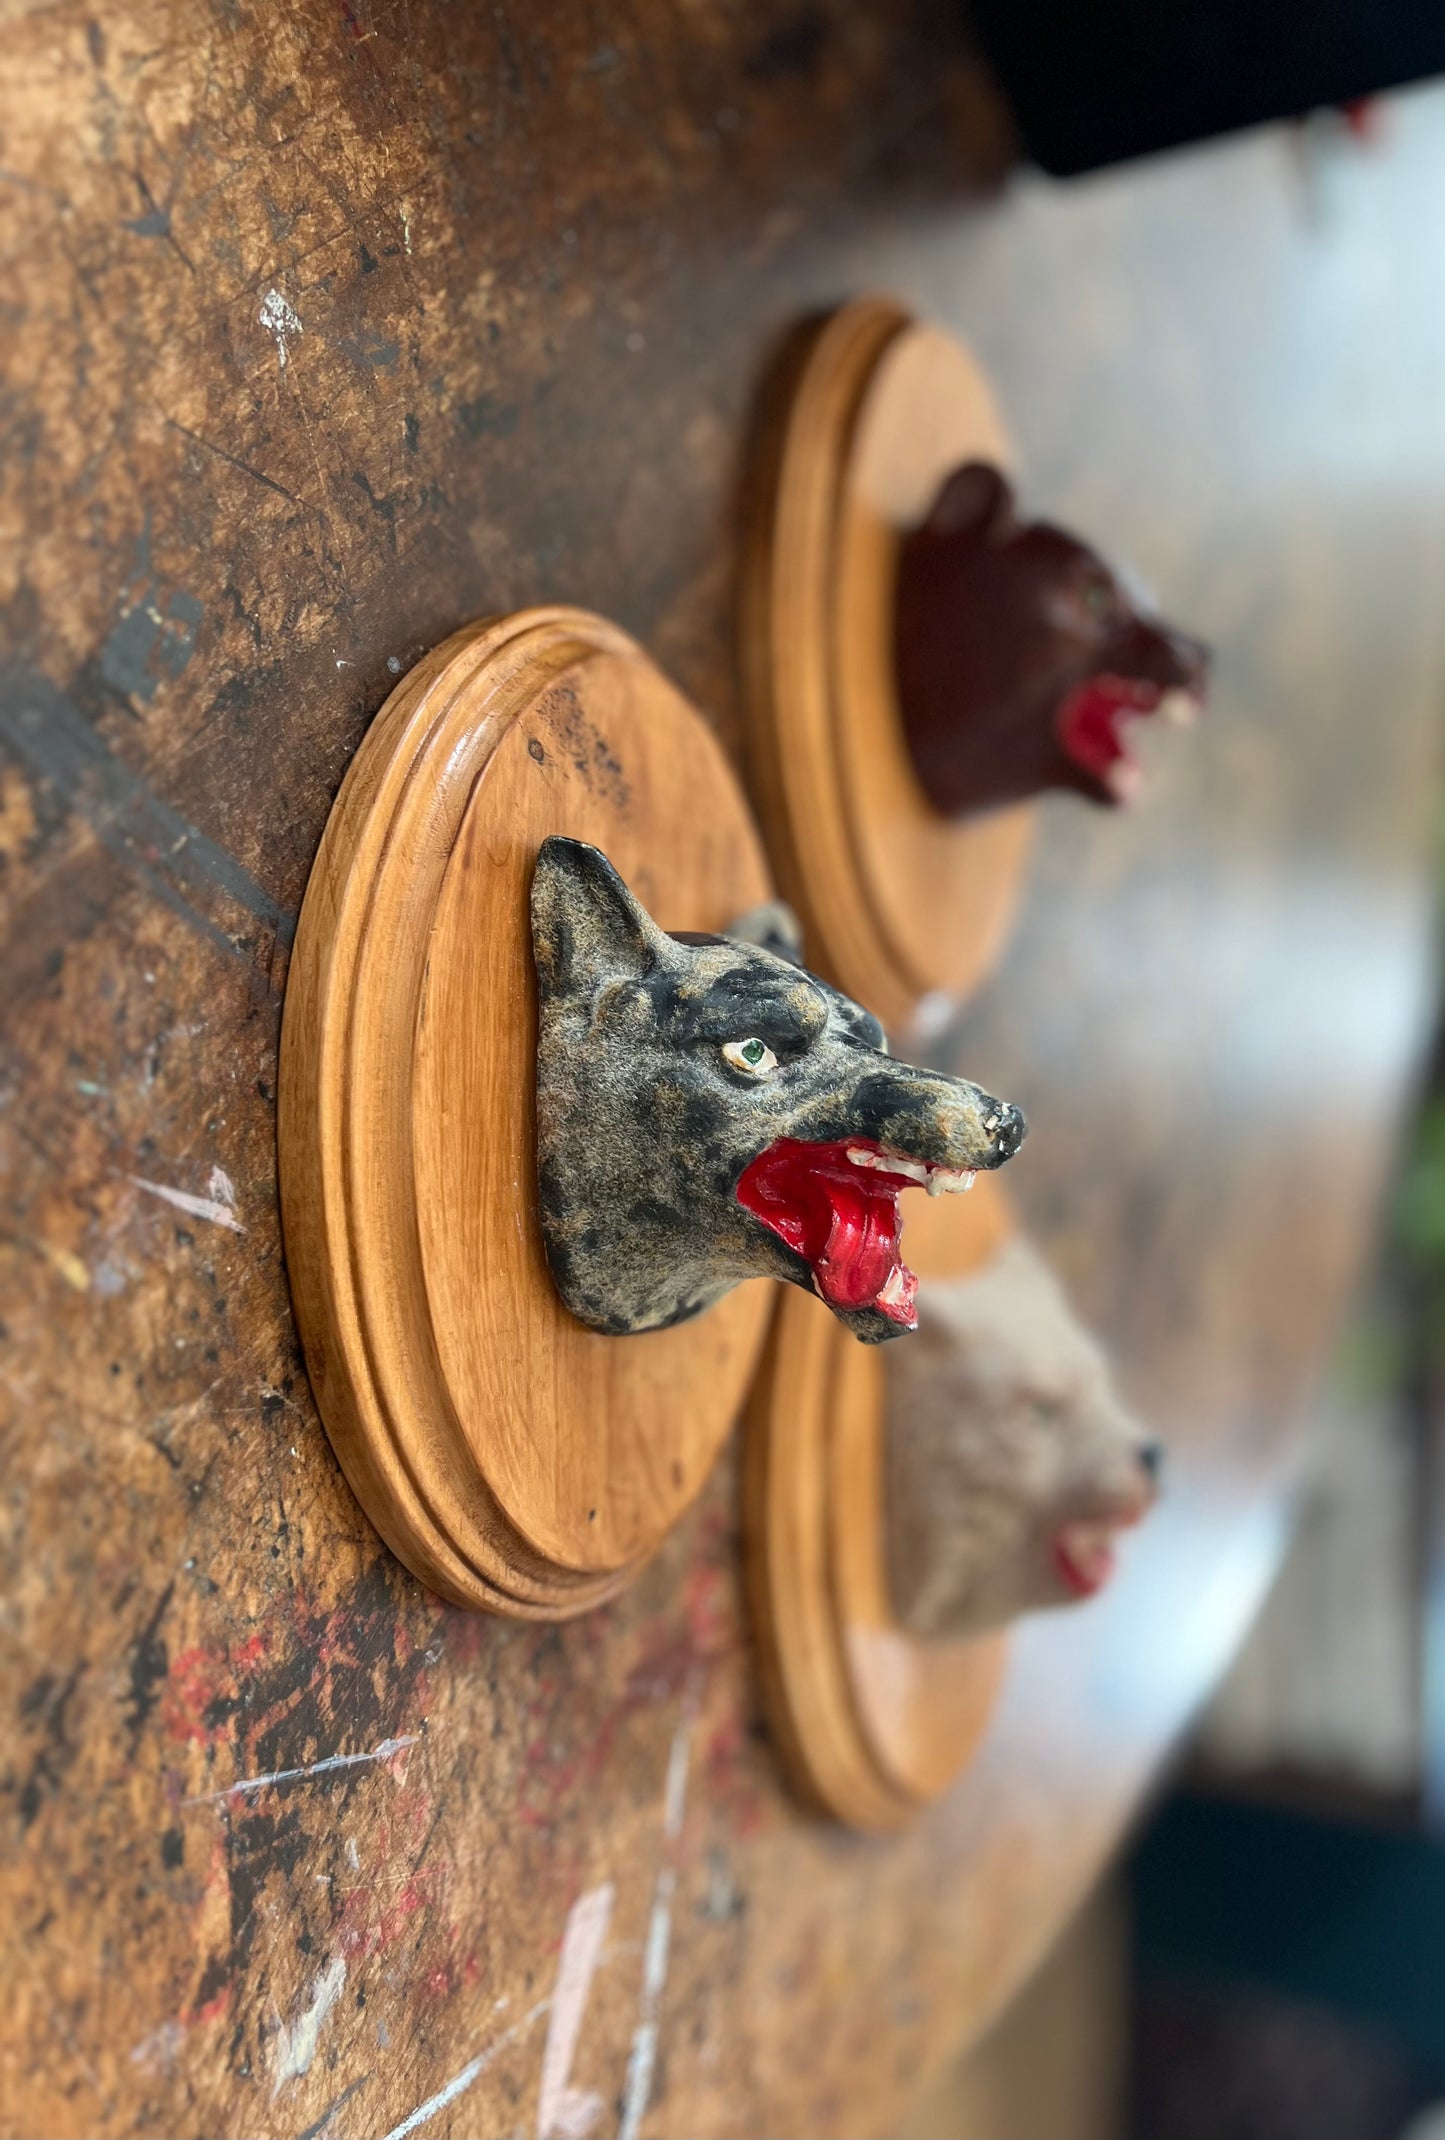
[944, 894]
[903, 908]
[922, 1707]
[592, 1445]
[331, 329]
[513, 1459]
[874, 1722]
[346, 1117]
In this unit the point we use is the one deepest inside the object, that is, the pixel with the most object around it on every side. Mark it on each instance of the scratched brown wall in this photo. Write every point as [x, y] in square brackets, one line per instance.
[328, 327]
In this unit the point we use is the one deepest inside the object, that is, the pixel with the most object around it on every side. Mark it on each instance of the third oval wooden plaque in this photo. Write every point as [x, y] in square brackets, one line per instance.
[873, 1722]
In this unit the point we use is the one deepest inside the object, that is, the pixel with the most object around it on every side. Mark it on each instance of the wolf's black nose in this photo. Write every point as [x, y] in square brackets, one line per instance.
[1011, 1132]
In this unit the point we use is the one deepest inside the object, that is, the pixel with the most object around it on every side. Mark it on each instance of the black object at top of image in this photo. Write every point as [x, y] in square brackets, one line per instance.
[1094, 82]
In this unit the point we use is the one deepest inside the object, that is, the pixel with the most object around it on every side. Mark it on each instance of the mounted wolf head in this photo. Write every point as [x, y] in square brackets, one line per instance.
[1012, 1465]
[1022, 658]
[708, 1112]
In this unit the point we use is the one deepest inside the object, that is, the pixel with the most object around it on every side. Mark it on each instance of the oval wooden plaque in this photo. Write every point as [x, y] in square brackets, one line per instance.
[510, 1457]
[903, 908]
[873, 1722]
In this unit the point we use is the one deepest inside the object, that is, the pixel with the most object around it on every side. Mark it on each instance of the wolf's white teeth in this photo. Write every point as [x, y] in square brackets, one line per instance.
[938, 1181]
[913, 1169]
[992, 1123]
[895, 1292]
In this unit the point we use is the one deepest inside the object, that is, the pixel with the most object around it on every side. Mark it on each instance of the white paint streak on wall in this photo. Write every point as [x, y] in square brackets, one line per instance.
[384, 1752]
[642, 2058]
[577, 2114]
[638, 2085]
[222, 1188]
[219, 1211]
[469, 2073]
[674, 1803]
[296, 2046]
[279, 320]
[659, 1934]
[160, 2048]
[564, 2112]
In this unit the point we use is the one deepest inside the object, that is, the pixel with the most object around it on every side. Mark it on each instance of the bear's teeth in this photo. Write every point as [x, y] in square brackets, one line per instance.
[895, 1293]
[1179, 708]
[951, 1181]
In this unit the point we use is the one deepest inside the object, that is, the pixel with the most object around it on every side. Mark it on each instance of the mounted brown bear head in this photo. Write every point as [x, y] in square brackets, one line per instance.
[1022, 658]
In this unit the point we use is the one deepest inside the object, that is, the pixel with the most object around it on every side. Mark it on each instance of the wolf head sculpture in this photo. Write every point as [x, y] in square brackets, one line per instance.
[1012, 1465]
[708, 1112]
[1022, 658]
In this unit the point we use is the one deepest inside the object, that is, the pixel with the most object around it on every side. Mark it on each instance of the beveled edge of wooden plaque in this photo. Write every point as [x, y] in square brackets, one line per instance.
[345, 1126]
[873, 1723]
[904, 910]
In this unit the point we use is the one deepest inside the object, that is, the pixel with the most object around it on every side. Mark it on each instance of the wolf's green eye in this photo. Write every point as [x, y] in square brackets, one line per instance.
[754, 1057]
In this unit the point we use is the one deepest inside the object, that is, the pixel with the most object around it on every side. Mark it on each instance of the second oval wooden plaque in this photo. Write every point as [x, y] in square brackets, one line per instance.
[513, 1459]
[904, 908]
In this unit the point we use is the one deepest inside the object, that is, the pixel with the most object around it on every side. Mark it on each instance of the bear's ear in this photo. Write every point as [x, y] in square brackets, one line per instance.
[975, 500]
[587, 928]
[772, 927]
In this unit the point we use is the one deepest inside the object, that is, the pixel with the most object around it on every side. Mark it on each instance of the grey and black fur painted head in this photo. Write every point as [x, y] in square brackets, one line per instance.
[709, 1112]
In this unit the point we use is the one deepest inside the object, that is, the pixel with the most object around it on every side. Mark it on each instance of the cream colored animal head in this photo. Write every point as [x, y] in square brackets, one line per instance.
[1012, 1465]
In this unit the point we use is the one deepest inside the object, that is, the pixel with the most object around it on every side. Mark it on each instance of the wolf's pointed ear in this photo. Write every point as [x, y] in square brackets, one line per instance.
[976, 500]
[586, 925]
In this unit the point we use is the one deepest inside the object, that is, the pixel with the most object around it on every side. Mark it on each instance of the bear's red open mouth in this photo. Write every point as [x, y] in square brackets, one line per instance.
[1093, 725]
[837, 1205]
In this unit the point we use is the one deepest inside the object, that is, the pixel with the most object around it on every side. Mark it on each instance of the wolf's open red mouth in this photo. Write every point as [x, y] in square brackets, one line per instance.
[837, 1205]
[1092, 725]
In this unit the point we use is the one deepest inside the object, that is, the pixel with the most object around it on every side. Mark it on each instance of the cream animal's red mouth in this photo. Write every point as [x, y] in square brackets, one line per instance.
[837, 1206]
[1094, 720]
[1086, 1551]
[1085, 1557]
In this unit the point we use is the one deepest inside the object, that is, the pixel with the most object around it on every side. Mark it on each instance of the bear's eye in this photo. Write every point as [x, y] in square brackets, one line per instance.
[753, 1057]
[1099, 599]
